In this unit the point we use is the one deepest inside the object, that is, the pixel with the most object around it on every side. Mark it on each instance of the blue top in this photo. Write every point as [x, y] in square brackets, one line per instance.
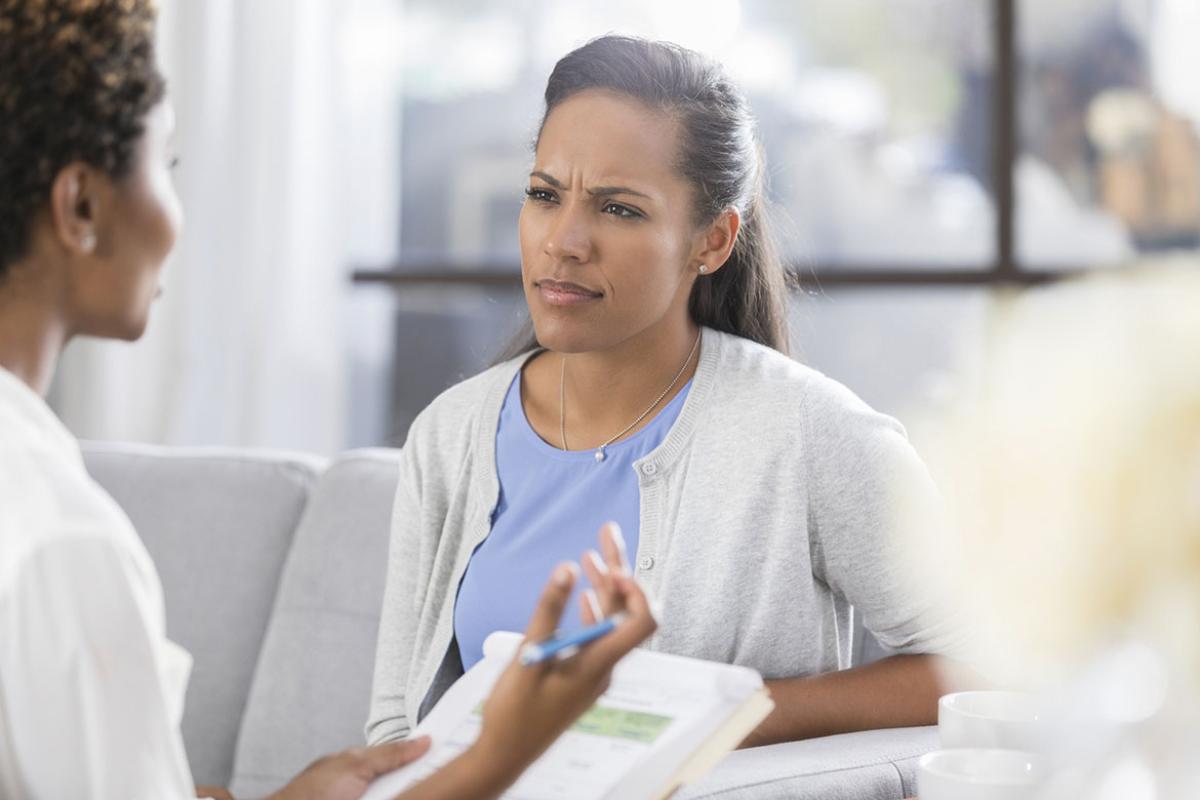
[552, 504]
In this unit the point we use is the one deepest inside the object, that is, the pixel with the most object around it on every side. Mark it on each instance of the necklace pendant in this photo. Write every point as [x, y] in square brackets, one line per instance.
[599, 455]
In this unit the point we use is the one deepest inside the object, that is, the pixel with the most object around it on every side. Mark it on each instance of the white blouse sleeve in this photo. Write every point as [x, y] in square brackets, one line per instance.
[90, 684]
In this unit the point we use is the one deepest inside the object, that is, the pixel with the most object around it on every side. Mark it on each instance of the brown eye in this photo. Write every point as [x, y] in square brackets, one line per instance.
[618, 210]
[539, 195]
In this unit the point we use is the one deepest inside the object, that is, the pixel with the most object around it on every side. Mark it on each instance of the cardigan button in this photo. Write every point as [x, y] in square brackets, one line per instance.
[649, 469]
[646, 563]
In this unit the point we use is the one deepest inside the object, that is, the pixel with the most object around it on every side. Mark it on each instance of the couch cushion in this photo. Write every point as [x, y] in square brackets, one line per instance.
[872, 765]
[312, 687]
[218, 524]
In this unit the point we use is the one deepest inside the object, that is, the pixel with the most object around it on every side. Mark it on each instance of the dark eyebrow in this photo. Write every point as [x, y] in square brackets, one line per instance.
[557, 184]
[604, 191]
[599, 191]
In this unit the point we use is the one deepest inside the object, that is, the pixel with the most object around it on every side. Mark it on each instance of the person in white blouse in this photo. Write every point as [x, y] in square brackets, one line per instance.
[91, 690]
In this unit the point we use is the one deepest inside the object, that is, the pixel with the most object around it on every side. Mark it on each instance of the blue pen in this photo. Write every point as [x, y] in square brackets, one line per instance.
[565, 646]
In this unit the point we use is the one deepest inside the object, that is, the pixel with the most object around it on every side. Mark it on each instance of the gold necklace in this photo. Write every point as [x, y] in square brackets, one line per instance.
[562, 402]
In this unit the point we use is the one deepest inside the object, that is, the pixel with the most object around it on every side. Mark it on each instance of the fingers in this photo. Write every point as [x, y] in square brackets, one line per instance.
[612, 547]
[590, 608]
[383, 758]
[601, 567]
[600, 577]
[604, 653]
[550, 607]
[596, 570]
[640, 622]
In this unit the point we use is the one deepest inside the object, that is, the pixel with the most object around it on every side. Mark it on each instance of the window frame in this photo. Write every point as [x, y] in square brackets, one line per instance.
[1004, 270]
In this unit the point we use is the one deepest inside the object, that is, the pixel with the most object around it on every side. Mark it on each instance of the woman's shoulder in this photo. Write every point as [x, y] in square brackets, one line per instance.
[765, 372]
[766, 382]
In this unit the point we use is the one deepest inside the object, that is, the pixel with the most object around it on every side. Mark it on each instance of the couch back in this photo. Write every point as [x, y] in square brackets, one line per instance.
[312, 687]
[272, 567]
[218, 524]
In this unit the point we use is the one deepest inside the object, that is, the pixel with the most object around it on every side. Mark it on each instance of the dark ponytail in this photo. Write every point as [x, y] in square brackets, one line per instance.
[719, 155]
[748, 296]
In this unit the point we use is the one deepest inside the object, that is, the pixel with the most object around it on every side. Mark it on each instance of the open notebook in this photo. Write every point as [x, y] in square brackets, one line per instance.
[665, 721]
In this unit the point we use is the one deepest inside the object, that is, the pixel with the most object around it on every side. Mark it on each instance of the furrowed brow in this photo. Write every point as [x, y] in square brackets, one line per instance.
[550, 179]
[598, 191]
[605, 191]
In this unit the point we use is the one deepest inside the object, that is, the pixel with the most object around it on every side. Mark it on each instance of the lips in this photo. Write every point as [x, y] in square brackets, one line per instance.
[565, 293]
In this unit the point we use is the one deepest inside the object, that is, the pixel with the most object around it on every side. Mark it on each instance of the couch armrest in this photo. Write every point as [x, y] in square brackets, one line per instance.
[871, 765]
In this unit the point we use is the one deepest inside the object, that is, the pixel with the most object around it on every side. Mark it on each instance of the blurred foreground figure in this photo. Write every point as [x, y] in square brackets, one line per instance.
[1071, 470]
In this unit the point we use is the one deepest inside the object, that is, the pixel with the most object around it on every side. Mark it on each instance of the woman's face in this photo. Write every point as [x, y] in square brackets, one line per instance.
[135, 233]
[606, 230]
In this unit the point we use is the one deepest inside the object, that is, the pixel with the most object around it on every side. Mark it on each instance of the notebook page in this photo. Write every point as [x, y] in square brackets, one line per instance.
[655, 704]
[629, 723]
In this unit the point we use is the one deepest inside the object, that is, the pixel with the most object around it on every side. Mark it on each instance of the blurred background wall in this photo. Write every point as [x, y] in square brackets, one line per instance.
[352, 172]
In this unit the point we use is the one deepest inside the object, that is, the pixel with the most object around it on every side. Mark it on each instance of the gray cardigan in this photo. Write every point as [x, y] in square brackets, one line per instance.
[765, 521]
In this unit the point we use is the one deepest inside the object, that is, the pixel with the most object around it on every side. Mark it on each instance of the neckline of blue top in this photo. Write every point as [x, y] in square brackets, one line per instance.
[668, 412]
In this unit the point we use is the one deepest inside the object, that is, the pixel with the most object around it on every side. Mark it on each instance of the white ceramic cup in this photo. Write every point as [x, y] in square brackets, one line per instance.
[1008, 720]
[979, 774]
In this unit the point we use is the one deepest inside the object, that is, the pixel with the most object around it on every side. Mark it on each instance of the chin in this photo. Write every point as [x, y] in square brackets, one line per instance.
[134, 332]
[121, 316]
[134, 325]
[553, 334]
[124, 329]
[568, 337]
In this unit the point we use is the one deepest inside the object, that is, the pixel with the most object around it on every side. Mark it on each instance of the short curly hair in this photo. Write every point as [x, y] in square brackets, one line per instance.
[77, 78]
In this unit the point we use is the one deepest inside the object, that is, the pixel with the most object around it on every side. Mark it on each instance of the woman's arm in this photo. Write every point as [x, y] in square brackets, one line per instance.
[890, 693]
[388, 720]
[861, 472]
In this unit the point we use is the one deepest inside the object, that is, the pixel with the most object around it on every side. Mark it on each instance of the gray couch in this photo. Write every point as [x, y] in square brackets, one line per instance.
[273, 569]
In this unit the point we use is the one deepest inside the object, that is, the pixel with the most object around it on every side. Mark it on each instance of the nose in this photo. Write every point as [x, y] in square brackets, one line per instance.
[569, 237]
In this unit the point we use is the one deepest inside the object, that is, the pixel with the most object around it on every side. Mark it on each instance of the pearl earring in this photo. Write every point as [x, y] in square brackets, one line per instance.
[88, 241]
[703, 268]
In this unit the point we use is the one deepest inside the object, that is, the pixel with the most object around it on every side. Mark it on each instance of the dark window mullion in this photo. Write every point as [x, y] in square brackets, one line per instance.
[1005, 137]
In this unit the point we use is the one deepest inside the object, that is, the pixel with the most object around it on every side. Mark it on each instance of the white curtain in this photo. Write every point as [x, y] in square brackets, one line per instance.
[287, 126]
[1174, 57]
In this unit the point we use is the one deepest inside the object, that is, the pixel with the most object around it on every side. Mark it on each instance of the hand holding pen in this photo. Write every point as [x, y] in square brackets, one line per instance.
[531, 705]
[601, 606]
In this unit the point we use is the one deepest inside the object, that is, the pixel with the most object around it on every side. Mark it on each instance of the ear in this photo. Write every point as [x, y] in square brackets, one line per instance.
[715, 242]
[75, 201]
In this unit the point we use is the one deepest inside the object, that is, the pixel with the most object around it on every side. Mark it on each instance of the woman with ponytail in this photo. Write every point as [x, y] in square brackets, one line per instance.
[653, 392]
